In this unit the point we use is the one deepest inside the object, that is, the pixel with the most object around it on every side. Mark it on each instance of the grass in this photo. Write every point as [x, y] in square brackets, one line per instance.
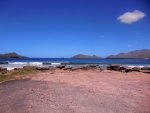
[17, 74]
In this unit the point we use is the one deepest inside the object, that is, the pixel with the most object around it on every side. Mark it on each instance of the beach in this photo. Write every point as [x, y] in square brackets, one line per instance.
[79, 91]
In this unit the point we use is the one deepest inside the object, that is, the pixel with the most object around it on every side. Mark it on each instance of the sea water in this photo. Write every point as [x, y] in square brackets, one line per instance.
[11, 63]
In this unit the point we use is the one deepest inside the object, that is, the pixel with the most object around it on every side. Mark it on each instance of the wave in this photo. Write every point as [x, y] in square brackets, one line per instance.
[26, 63]
[67, 63]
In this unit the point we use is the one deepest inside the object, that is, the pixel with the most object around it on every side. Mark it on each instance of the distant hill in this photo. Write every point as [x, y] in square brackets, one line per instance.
[85, 56]
[145, 53]
[11, 55]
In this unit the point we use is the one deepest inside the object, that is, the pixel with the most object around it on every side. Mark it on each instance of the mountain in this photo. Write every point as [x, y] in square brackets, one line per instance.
[145, 53]
[85, 56]
[11, 55]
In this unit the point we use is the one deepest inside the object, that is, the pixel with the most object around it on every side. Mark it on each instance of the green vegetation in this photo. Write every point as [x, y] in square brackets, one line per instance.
[18, 73]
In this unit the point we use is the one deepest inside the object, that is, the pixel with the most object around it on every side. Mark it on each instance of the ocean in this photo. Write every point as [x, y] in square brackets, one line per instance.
[11, 63]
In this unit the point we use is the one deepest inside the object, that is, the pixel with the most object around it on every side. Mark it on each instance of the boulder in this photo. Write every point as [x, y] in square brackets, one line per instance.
[45, 68]
[127, 69]
[77, 67]
[145, 71]
[136, 69]
[103, 68]
[86, 67]
[42, 68]
[17, 68]
[60, 66]
[115, 67]
[145, 68]
[67, 67]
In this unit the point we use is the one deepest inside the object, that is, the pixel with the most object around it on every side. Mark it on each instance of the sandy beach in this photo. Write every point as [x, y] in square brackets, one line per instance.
[78, 91]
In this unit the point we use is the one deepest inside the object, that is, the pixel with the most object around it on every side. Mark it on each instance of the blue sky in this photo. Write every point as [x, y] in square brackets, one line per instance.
[64, 28]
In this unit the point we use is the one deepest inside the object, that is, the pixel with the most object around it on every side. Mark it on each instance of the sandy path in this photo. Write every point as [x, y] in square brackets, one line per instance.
[77, 92]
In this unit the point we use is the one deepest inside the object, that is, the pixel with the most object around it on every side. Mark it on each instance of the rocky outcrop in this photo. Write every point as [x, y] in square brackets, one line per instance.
[121, 68]
[85, 56]
[144, 54]
[11, 55]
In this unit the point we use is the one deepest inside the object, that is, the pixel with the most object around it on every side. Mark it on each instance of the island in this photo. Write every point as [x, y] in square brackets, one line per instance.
[141, 54]
[85, 56]
[12, 55]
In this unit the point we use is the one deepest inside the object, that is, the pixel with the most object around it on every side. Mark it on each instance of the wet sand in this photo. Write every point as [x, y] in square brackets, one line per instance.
[77, 92]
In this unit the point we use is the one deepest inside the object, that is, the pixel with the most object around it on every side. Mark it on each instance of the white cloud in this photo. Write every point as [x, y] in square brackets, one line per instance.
[129, 45]
[130, 17]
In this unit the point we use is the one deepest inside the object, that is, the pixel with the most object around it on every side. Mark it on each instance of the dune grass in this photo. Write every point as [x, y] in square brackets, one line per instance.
[17, 74]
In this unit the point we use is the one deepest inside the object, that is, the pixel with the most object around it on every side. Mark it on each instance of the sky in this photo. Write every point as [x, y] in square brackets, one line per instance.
[64, 28]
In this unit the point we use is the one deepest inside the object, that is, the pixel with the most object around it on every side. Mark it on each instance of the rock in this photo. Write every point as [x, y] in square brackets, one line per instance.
[77, 67]
[115, 67]
[145, 68]
[45, 68]
[0, 68]
[103, 68]
[127, 69]
[60, 66]
[39, 68]
[52, 68]
[42, 68]
[67, 67]
[4, 69]
[86, 67]
[145, 71]
[93, 65]
[17, 68]
[136, 69]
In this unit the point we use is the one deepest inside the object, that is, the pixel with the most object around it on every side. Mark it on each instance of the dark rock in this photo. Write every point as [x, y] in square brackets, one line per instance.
[77, 67]
[17, 68]
[93, 65]
[136, 69]
[67, 67]
[145, 68]
[127, 69]
[115, 67]
[60, 66]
